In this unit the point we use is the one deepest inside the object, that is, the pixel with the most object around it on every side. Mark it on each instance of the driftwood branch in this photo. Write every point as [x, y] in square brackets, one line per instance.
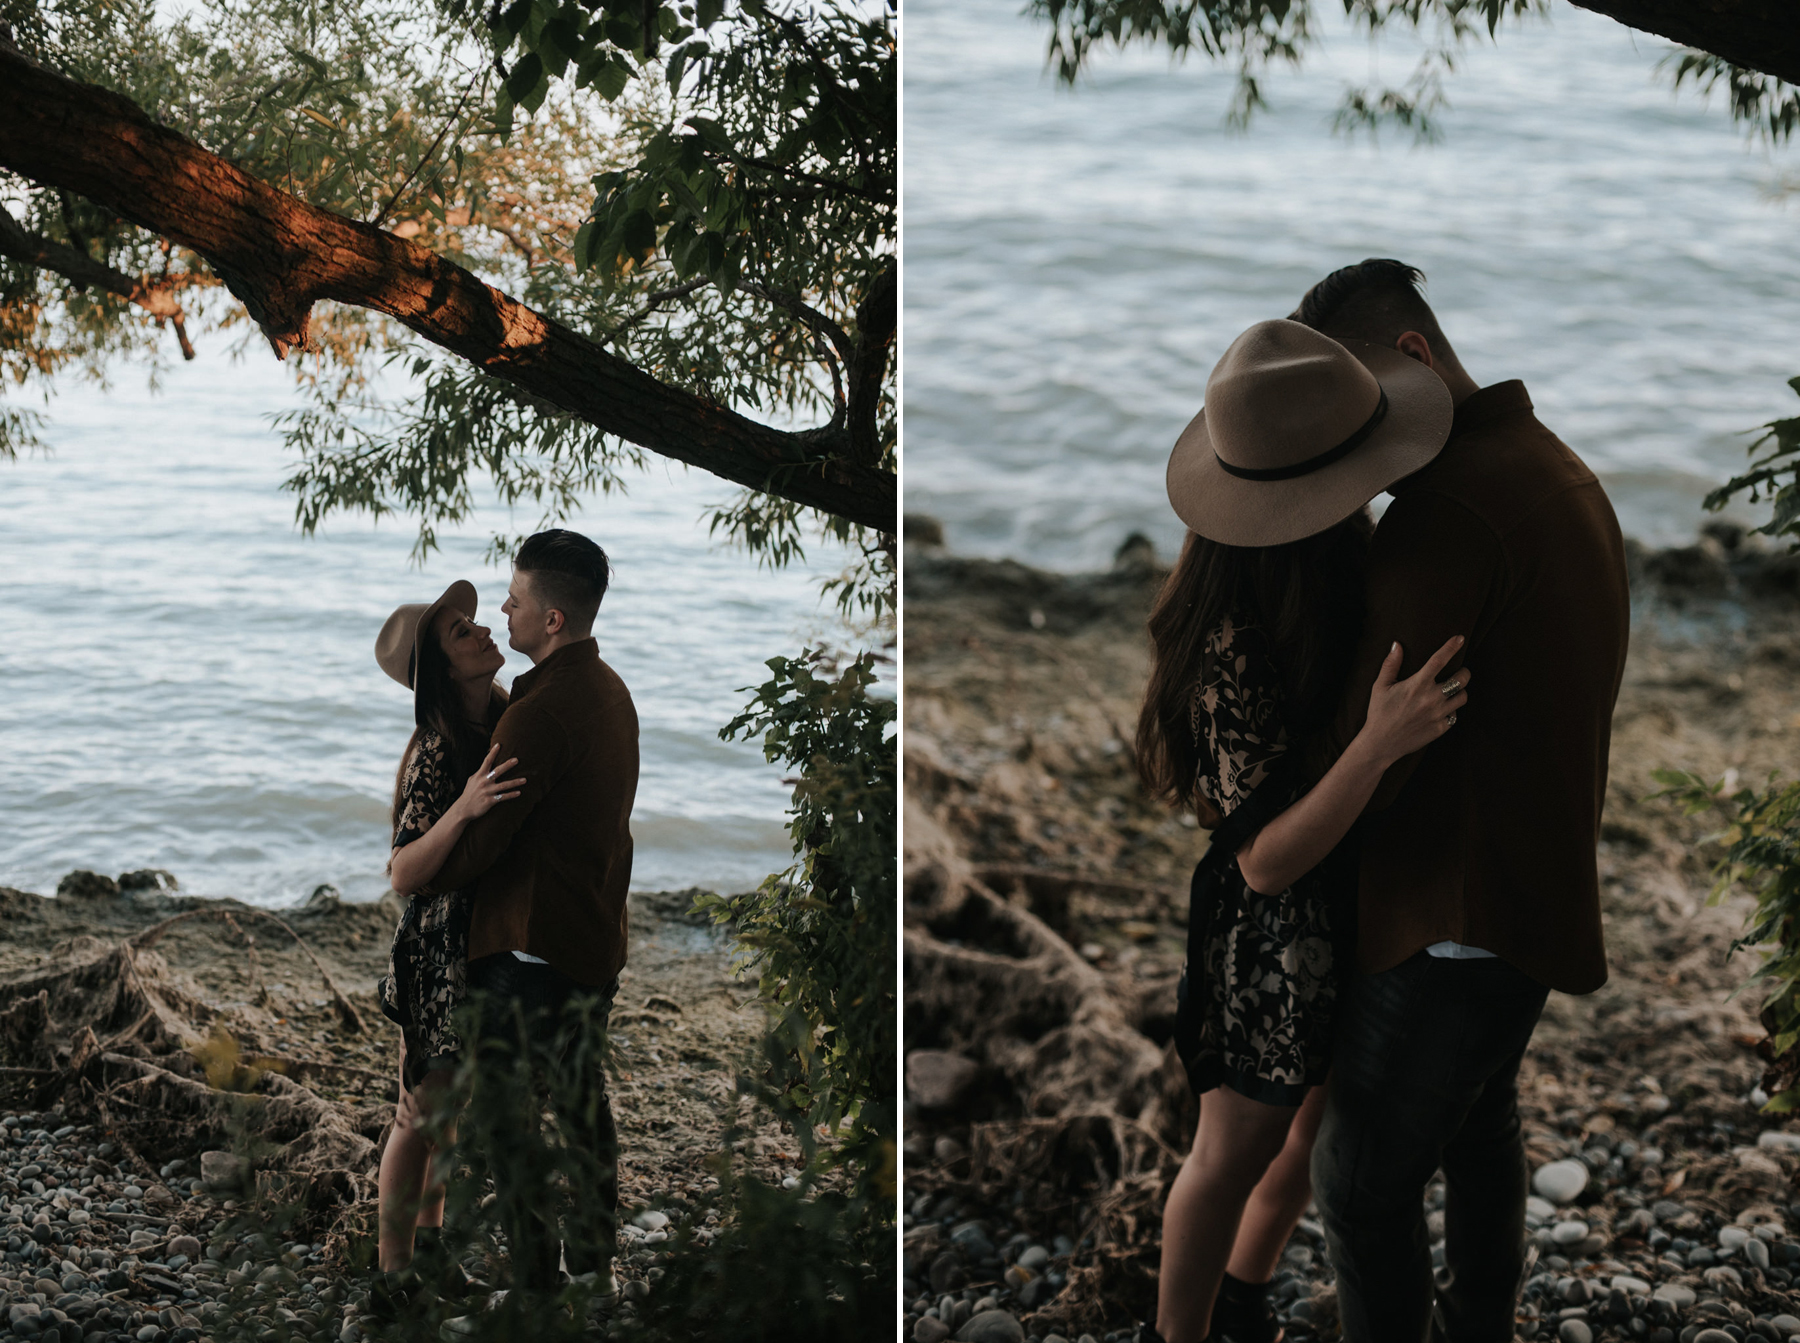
[280, 256]
[33, 249]
[352, 1019]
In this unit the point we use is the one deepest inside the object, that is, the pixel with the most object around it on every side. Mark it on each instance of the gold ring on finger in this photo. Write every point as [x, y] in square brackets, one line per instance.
[1450, 688]
[1450, 721]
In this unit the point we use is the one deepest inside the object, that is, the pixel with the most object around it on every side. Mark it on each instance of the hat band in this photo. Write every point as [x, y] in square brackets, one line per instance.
[1311, 464]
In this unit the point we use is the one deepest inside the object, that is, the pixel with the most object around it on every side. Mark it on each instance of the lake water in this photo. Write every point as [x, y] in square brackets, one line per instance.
[1076, 261]
[191, 684]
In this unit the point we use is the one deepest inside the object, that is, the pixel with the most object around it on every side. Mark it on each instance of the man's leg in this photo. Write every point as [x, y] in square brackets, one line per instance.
[520, 1012]
[590, 1213]
[1485, 1186]
[1417, 1048]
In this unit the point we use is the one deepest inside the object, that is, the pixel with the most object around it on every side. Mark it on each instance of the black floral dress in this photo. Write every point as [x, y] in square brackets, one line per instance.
[1260, 989]
[427, 978]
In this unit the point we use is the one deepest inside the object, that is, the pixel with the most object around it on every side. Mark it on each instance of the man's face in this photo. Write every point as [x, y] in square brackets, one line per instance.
[526, 619]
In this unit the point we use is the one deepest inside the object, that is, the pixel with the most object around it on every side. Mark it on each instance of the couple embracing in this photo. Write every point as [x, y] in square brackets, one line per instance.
[1398, 736]
[512, 844]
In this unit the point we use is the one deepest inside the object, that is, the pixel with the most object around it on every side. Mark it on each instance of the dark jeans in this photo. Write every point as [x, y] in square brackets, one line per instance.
[532, 1011]
[1425, 1074]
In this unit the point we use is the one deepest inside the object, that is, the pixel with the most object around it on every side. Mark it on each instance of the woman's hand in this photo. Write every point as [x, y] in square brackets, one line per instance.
[484, 790]
[1407, 716]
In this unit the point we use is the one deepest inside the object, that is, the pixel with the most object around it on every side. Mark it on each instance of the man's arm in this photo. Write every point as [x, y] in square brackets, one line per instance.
[542, 748]
[1434, 570]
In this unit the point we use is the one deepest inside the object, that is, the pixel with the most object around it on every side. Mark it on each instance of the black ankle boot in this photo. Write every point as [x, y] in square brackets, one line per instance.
[436, 1265]
[1241, 1314]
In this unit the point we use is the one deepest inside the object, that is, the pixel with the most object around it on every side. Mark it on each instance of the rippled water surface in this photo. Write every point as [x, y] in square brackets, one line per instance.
[188, 683]
[1077, 261]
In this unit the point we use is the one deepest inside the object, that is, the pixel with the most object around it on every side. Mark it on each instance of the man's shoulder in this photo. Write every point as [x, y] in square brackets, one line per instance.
[1497, 476]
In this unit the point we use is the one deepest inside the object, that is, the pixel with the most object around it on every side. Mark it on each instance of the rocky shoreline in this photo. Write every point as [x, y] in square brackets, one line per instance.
[1043, 1116]
[124, 1216]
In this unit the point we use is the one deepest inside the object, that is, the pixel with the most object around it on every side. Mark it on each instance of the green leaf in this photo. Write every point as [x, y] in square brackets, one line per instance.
[612, 77]
[524, 80]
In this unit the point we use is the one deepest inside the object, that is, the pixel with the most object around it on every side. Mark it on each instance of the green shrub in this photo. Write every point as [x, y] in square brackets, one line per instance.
[1762, 854]
[821, 934]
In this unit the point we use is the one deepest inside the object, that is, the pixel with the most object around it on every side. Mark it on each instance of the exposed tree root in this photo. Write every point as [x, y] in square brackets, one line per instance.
[1090, 1114]
[108, 1030]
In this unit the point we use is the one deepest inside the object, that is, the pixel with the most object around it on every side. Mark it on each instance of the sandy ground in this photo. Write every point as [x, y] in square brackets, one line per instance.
[1022, 690]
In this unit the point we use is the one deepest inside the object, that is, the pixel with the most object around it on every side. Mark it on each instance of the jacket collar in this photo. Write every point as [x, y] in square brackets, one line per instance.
[1489, 404]
[569, 655]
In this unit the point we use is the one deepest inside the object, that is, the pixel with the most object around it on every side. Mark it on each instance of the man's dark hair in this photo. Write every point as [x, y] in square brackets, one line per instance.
[1377, 300]
[568, 574]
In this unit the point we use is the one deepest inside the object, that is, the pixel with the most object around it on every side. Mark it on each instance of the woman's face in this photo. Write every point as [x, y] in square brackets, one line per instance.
[471, 653]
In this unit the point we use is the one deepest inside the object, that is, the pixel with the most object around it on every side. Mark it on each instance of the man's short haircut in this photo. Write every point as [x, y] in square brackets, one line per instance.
[1377, 300]
[568, 574]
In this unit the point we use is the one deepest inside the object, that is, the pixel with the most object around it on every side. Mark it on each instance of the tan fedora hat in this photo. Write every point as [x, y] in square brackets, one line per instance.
[397, 646]
[1299, 431]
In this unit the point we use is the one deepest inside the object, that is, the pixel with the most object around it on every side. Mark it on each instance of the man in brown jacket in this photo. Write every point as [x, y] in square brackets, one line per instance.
[550, 870]
[1478, 889]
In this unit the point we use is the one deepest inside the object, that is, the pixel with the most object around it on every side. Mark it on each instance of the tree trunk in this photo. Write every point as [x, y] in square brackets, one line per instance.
[280, 256]
[1756, 34]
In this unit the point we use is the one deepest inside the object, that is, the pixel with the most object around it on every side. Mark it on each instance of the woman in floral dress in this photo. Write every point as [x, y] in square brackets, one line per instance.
[1253, 638]
[447, 778]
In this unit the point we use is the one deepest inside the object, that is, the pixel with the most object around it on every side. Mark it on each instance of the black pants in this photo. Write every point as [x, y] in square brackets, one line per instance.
[1425, 1075]
[531, 1011]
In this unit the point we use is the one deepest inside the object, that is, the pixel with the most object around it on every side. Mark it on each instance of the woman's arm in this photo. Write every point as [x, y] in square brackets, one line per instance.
[415, 864]
[1404, 716]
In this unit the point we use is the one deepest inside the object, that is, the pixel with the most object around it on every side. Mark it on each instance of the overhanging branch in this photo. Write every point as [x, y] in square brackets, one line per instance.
[280, 256]
[33, 249]
[1756, 34]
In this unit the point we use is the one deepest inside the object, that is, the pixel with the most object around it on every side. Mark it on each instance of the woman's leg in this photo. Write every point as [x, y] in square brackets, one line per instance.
[407, 1196]
[1280, 1198]
[1236, 1141]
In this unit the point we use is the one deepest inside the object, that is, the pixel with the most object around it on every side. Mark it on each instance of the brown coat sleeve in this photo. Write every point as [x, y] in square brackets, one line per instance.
[542, 747]
[1435, 570]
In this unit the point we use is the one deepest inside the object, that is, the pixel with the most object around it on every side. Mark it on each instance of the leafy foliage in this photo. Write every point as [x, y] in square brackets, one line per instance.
[1256, 34]
[1774, 477]
[712, 198]
[1762, 853]
[822, 933]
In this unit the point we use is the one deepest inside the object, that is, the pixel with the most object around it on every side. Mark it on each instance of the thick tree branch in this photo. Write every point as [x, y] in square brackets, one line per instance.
[280, 256]
[877, 317]
[33, 249]
[1756, 34]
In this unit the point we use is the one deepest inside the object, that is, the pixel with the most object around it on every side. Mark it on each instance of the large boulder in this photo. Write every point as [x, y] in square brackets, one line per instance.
[84, 885]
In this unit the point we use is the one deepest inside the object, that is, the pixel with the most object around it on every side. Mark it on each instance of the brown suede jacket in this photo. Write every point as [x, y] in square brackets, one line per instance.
[551, 868]
[1487, 837]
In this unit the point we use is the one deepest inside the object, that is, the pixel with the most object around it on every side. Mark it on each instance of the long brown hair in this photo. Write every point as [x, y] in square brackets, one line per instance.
[1306, 596]
[439, 708]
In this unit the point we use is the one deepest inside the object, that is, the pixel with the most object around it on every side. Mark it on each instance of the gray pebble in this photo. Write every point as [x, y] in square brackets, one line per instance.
[1575, 1331]
[930, 1329]
[1560, 1181]
[1569, 1233]
[1757, 1253]
[1034, 1257]
[1713, 1336]
[991, 1326]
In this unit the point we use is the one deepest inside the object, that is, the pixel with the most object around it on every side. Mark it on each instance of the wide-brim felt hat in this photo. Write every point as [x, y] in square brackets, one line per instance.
[397, 646]
[1299, 431]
